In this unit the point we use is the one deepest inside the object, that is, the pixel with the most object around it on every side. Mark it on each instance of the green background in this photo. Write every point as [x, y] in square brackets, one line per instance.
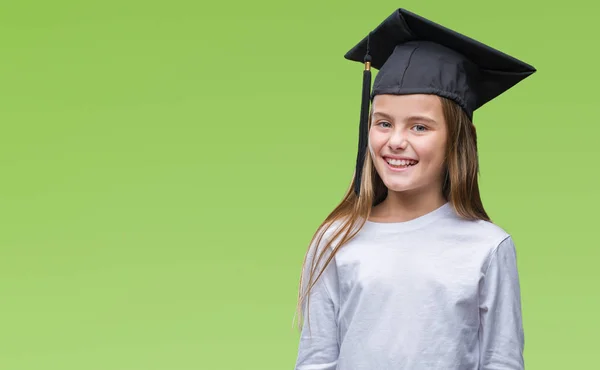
[164, 165]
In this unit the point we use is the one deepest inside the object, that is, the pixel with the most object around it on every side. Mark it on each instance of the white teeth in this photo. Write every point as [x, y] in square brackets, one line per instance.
[400, 162]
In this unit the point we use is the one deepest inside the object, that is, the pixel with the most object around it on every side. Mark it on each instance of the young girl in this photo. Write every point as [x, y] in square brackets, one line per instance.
[408, 271]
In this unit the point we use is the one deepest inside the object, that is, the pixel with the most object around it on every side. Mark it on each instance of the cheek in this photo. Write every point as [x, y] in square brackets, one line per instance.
[432, 153]
[375, 143]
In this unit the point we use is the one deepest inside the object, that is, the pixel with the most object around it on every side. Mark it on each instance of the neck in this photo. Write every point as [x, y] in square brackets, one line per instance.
[406, 205]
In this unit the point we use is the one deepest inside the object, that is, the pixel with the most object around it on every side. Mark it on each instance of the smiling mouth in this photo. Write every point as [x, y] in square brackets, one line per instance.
[400, 163]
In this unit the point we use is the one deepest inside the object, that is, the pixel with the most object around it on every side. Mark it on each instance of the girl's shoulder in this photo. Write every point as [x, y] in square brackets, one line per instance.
[482, 231]
[328, 231]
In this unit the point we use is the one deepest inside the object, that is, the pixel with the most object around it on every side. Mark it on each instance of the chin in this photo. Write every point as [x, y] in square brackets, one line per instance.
[400, 189]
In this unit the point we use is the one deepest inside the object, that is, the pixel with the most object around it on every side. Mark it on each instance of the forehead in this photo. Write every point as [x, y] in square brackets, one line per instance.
[405, 105]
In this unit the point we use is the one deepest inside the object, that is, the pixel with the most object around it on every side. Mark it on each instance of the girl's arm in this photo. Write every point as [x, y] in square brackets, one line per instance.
[501, 328]
[318, 348]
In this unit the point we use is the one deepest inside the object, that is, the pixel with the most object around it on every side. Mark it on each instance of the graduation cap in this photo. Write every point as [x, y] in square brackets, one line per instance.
[417, 56]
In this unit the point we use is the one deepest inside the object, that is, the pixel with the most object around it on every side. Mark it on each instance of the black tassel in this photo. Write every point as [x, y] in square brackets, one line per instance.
[363, 135]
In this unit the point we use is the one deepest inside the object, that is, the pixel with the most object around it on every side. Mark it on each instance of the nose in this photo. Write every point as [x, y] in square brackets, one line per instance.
[397, 140]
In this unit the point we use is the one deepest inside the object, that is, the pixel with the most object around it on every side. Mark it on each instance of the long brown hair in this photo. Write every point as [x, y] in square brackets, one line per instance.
[460, 189]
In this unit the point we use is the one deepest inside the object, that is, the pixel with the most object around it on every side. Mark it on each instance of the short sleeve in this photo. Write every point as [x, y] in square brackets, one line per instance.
[318, 347]
[501, 328]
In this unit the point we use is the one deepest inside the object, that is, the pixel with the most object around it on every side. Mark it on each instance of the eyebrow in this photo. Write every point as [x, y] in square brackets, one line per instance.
[415, 117]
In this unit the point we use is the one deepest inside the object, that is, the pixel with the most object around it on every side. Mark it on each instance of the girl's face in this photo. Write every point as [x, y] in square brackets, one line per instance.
[410, 131]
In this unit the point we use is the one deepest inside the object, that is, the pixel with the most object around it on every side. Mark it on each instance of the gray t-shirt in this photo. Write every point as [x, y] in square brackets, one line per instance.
[435, 292]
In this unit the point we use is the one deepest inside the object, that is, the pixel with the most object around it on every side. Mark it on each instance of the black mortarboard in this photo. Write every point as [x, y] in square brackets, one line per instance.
[417, 56]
